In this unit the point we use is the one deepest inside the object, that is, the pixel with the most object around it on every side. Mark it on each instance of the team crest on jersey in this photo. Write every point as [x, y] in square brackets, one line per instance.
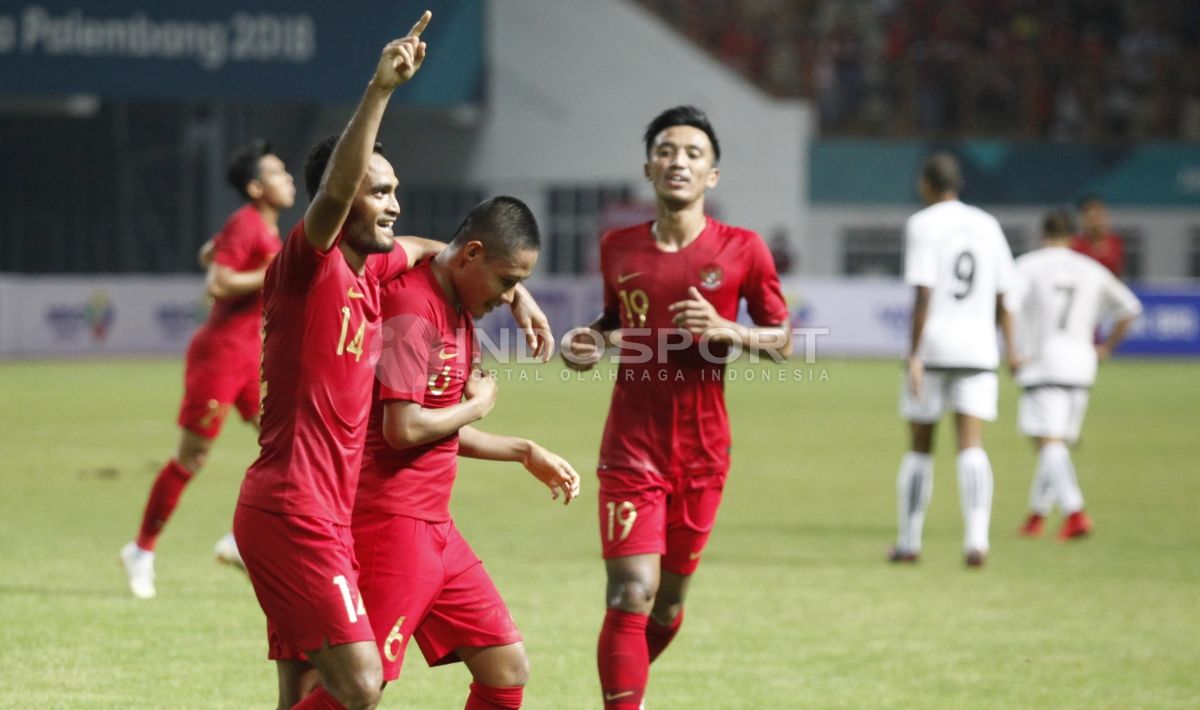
[710, 276]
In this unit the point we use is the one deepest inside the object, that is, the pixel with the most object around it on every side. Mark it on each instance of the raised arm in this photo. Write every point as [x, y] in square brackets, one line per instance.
[548, 467]
[400, 60]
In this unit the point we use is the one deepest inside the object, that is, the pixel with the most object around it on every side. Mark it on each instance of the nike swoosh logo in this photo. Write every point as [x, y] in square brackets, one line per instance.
[625, 277]
[354, 294]
[608, 697]
[445, 355]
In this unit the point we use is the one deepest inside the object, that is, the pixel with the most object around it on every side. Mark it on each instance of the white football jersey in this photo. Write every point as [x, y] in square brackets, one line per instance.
[960, 253]
[1057, 299]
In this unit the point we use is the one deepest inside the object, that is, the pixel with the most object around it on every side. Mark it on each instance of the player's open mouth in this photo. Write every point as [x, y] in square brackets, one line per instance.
[386, 225]
[677, 180]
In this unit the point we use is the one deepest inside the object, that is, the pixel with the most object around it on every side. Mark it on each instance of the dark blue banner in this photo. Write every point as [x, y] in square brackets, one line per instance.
[1169, 325]
[307, 50]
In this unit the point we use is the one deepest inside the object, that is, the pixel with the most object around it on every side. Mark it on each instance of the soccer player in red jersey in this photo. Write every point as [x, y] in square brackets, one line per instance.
[672, 288]
[1097, 239]
[419, 577]
[320, 320]
[222, 360]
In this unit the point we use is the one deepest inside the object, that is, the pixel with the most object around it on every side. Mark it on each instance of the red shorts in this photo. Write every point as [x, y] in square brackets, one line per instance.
[209, 389]
[642, 514]
[306, 580]
[422, 580]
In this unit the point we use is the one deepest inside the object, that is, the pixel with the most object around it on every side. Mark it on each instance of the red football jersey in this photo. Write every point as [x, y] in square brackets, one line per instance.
[668, 414]
[1110, 251]
[231, 337]
[428, 347]
[319, 323]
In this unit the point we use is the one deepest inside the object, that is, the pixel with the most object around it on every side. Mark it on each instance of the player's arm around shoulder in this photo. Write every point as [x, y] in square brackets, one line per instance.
[417, 249]
[546, 466]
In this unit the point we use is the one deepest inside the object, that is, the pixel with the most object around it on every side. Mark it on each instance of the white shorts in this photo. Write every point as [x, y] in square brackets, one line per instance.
[970, 392]
[1052, 411]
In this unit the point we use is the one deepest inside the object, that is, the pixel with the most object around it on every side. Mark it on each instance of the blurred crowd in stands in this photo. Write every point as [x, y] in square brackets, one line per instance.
[1063, 70]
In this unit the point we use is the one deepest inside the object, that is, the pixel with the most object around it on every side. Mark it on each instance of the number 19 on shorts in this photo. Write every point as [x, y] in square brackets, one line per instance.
[622, 514]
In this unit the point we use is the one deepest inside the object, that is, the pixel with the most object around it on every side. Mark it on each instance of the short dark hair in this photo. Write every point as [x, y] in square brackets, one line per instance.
[505, 226]
[1057, 223]
[318, 160]
[682, 116]
[245, 165]
[1088, 199]
[941, 173]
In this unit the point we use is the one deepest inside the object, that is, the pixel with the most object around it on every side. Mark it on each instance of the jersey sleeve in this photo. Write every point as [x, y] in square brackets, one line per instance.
[298, 260]
[389, 265]
[1118, 299]
[235, 246]
[761, 288]
[920, 260]
[408, 339]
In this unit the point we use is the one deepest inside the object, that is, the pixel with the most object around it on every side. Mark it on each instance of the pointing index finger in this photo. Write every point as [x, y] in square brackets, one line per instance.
[422, 23]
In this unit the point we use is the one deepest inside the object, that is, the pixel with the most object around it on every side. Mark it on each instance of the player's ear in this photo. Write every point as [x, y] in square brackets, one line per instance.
[473, 250]
[646, 170]
[714, 177]
[254, 189]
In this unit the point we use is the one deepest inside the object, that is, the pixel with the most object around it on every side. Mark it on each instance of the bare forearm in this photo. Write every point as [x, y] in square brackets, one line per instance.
[920, 312]
[419, 248]
[226, 283]
[409, 424]
[1119, 331]
[353, 152]
[477, 444]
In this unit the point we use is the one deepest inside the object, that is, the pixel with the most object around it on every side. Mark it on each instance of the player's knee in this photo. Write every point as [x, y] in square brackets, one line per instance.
[360, 690]
[631, 595]
[515, 671]
[665, 614]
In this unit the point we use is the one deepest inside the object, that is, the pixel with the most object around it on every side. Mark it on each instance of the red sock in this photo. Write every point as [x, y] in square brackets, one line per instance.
[658, 637]
[164, 496]
[489, 697]
[319, 699]
[622, 658]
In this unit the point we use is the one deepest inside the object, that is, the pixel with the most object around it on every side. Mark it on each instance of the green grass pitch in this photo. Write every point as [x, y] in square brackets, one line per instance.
[793, 606]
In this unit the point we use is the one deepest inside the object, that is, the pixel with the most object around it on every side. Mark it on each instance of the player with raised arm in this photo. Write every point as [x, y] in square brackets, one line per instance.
[1057, 300]
[223, 357]
[671, 288]
[321, 319]
[420, 578]
[960, 265]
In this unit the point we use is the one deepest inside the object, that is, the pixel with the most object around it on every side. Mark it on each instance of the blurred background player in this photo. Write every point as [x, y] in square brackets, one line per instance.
[420, 577]
[224, 355]
[960, 265]
[1057, 300]
[664, 456]
[1097, 239]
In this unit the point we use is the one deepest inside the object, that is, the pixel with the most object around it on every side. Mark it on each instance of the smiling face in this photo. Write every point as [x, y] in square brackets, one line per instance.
[483, 283]
[681, 166]
[368, 228]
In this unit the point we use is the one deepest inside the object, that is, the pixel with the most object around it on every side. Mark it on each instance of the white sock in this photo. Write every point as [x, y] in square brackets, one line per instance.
[1062, 474]
[914, 487]
[1042, 493]
[975, 493]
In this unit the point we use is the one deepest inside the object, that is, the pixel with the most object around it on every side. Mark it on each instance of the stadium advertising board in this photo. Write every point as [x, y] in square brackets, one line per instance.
[304, 50]
[47, 316]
